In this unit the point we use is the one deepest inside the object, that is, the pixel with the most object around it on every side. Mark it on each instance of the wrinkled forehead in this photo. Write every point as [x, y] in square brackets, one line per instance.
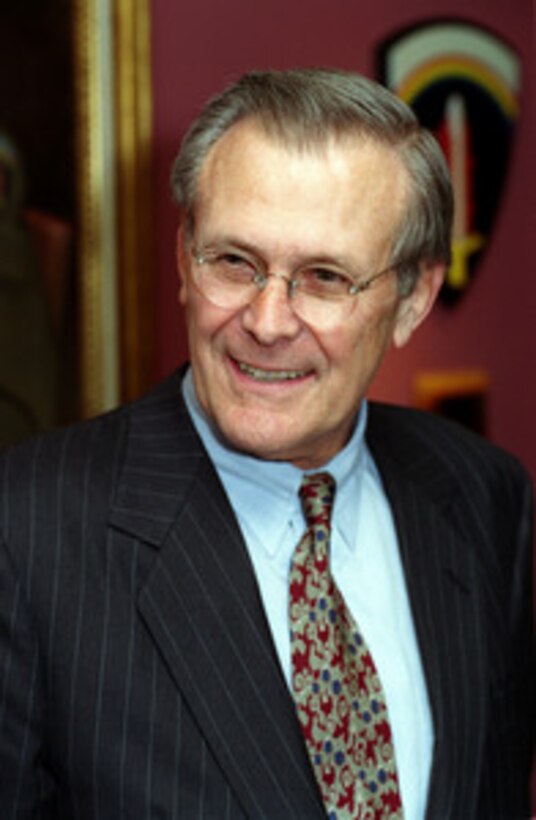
[344, 194]
[365, 168]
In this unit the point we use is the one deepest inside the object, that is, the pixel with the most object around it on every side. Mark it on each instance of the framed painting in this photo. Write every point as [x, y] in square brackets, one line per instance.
[76, 320]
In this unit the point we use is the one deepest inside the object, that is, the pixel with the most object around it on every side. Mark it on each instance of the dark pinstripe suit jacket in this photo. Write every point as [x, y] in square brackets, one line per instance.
[137, 674]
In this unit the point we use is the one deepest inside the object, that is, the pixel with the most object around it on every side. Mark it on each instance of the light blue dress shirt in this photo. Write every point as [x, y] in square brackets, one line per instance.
[366, 565]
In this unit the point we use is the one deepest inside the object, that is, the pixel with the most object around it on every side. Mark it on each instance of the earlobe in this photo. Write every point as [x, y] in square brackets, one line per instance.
[414, 309]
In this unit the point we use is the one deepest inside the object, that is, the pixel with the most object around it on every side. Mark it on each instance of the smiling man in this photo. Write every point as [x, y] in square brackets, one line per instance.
[282, 372]
[254, 594]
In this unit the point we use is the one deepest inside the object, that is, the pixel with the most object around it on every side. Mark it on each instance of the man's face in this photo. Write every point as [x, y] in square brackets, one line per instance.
[275, 386]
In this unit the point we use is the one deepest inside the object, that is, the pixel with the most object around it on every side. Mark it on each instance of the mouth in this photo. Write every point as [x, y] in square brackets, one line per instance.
[262, 375]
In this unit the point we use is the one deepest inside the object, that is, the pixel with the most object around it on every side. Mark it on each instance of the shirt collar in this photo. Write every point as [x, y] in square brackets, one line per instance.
[265, 493]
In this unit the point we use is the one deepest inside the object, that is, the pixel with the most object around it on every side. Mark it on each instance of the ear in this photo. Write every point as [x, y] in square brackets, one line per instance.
[414, 309]
[182, 258]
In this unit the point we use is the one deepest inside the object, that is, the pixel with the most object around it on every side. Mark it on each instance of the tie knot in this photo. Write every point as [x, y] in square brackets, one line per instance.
[317, 492]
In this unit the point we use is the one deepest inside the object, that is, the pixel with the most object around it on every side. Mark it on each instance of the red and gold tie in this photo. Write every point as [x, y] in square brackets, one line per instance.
[338, 694]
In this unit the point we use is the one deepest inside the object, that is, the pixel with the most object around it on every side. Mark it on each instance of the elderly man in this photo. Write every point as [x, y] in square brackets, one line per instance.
[251, 594]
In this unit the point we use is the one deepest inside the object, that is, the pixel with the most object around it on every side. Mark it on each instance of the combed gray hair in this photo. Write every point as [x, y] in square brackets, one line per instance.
[304, 108]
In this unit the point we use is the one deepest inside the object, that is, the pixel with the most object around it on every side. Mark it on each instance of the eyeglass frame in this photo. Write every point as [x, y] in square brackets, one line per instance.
[260, 279]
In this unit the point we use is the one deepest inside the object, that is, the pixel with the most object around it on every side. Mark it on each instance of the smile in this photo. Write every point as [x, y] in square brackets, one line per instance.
[270, 375]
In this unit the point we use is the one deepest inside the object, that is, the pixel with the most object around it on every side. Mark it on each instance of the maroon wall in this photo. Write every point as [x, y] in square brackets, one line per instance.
[199, 47]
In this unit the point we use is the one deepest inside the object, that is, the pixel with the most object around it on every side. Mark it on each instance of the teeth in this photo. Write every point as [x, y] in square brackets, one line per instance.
[270, 375]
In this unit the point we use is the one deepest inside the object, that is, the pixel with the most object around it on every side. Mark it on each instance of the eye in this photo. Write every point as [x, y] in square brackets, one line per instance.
[234, 267]
[325, 275]
[231, 259]
[324, 282]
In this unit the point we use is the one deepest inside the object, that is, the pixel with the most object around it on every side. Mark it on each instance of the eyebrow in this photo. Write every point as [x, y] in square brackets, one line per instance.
[321, 260]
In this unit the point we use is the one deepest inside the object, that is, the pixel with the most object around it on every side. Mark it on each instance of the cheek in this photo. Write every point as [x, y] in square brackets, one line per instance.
[356, 352]
[205, 322]
[344, 345]
[182, 297]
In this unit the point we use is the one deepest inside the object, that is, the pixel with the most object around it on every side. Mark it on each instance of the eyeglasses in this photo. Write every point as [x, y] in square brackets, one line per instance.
[321, 296]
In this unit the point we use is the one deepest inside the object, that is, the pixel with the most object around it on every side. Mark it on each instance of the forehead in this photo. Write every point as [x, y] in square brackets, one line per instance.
[342, 186]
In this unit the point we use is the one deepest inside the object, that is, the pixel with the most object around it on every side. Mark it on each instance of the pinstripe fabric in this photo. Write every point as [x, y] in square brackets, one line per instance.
[463, 515]
[137, 674]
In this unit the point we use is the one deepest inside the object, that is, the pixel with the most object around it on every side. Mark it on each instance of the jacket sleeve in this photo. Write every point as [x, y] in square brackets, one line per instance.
[26, 786]
[505, 789]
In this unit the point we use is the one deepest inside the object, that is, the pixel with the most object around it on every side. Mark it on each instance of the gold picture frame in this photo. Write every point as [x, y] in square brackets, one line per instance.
[113, 139]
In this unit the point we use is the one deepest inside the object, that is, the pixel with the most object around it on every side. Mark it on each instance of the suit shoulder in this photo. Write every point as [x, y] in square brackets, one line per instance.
[415, 435]
[97, 443]
[65, 449]
[56, 476]
[79, 464]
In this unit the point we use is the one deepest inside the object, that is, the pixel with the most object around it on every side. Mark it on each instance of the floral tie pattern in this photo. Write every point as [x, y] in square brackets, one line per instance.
[338, 694]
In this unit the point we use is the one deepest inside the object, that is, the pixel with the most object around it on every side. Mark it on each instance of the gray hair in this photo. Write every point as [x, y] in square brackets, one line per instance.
[303, 108]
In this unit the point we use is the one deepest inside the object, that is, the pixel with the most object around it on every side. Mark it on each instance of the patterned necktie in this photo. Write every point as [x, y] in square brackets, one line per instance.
[338, 694]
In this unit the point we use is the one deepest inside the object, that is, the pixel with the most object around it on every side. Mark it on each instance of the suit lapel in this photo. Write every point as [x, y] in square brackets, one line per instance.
[440, 568]
[202, 607]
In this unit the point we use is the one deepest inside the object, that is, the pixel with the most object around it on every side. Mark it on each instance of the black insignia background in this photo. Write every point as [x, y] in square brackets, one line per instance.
[491, 134]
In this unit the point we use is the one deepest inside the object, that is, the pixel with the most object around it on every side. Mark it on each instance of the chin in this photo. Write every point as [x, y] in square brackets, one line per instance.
[261, 436]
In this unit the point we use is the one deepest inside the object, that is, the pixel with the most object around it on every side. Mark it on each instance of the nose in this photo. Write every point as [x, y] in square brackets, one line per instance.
[269, 317]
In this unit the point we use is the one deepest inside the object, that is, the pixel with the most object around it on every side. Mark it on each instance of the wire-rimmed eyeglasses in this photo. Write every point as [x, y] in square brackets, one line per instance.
[320, 295]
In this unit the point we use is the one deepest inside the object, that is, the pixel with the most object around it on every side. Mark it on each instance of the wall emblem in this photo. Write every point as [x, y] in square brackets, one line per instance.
[463, 83]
